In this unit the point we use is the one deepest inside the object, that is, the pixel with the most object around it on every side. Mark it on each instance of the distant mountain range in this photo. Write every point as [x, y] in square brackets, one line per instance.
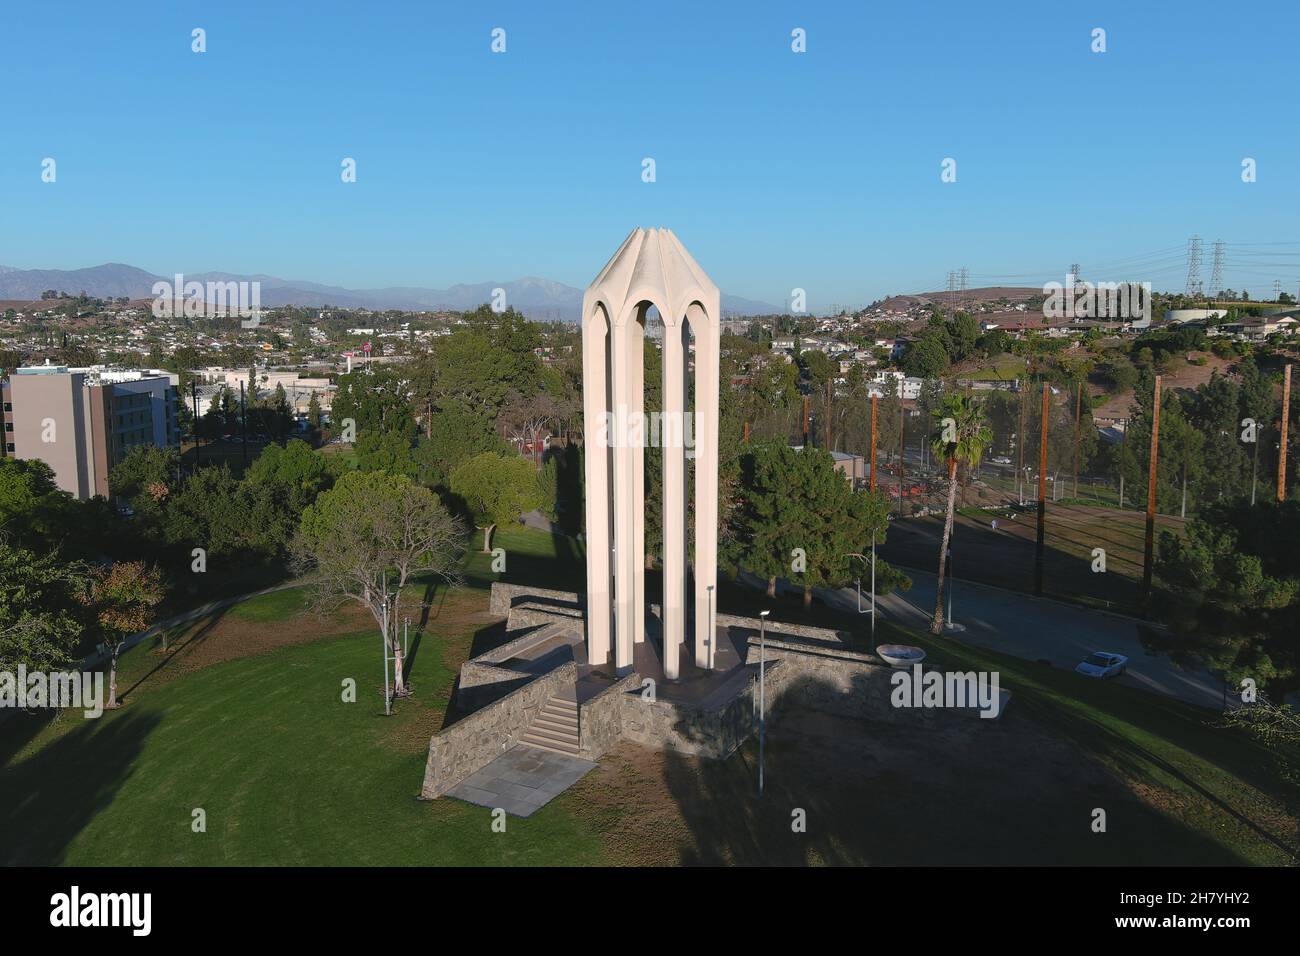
[541, 299]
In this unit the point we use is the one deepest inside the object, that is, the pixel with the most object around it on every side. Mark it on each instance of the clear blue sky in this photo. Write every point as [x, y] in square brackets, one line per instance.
[777, 170]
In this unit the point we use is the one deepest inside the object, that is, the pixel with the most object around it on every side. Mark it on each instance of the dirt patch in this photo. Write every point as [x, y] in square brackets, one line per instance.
[954, 790]
[224, 636]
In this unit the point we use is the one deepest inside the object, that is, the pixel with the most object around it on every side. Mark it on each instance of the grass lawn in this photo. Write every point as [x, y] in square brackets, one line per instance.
[243, 717]
[231, 453]
[286, 772]
[1004, 369]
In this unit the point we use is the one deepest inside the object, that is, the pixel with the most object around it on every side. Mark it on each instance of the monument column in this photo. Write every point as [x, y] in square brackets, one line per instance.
[651, 268]
[638, 437]
[595, 390]
[706, 480]
[674, 497]
[624, 513]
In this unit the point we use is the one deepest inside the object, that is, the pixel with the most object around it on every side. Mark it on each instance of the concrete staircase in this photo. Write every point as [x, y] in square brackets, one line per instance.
[555, 728]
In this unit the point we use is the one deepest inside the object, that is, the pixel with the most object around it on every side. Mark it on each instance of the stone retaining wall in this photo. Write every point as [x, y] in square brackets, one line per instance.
[679, 726]
[775, 628]
[600, 718]
[505, 595]
[473, 742]
[843, 682]
[511, 648]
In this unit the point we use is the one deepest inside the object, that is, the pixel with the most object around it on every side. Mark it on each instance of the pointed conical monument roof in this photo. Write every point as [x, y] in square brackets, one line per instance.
[651, 266]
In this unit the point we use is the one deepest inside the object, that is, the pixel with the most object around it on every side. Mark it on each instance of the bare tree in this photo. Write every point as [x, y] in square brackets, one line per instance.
[524, 418]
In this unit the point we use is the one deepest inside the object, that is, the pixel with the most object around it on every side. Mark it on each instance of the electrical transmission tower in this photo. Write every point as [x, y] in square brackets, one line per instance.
[1194, 265]
[1216, 273]
[952, 289]
[1074, 272]
[1277, 289]
[963, 283]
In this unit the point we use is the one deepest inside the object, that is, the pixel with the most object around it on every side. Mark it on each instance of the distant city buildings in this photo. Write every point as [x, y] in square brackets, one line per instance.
[83, 421]
[298, 390]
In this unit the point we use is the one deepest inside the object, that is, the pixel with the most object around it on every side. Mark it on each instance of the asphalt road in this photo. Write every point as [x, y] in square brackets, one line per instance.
[1042, 629]
[1036, 629]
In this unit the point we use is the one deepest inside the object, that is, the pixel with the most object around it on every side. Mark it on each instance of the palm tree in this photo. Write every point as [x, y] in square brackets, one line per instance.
[962, 438]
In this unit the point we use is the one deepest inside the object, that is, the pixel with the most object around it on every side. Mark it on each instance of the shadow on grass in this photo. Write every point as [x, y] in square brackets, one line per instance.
[1078, 711]
[47, 800]
[176, 648]
[939, 789]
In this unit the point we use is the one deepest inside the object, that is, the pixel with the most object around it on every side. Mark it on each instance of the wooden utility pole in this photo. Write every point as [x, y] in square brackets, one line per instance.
[1151, 499]
[1078, 401]
[1042, 494]
[873, 444]
[829, 441]
[746, 431]
[1020, 444]
[243, 415]
[902, 447]
[198, 451]
[1123, 457]
[1286, 415]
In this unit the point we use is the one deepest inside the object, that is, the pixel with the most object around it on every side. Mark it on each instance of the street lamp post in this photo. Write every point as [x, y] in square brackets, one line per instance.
[713, 632]
[762, 693]
[873, 586]
[383, 633]
[950, 624]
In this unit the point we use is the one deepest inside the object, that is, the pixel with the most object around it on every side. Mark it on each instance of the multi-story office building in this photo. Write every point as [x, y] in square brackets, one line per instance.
[83, 421]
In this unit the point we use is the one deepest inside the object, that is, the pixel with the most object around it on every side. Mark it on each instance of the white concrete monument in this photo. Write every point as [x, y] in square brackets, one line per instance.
[651, 268]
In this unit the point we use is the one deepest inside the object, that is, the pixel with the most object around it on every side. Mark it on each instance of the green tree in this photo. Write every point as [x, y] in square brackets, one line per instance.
[963, 333]
[123, 597]
[1233, 590]
[314, 412]
[34, 512]
[455, 432]
[961, 437]
[39, 597]
[364, 540]
[927, 357]
[798, 516]
[385, 451]
[496, 489]
[377, 399]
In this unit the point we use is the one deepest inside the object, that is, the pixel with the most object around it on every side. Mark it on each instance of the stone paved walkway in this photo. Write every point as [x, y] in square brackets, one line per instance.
[522, 780]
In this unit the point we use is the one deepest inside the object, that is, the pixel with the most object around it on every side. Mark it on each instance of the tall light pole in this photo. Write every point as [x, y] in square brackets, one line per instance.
[949, 624]
[713, 632]
[762, 692]
[873, 586]
[383, 634]
[855, 554]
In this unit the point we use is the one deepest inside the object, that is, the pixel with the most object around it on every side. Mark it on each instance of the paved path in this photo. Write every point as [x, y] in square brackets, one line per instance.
[193, 614]
[1037, 629]
[522, 780]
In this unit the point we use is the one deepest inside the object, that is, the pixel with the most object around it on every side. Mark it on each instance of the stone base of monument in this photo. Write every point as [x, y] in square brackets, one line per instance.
[509, 695]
